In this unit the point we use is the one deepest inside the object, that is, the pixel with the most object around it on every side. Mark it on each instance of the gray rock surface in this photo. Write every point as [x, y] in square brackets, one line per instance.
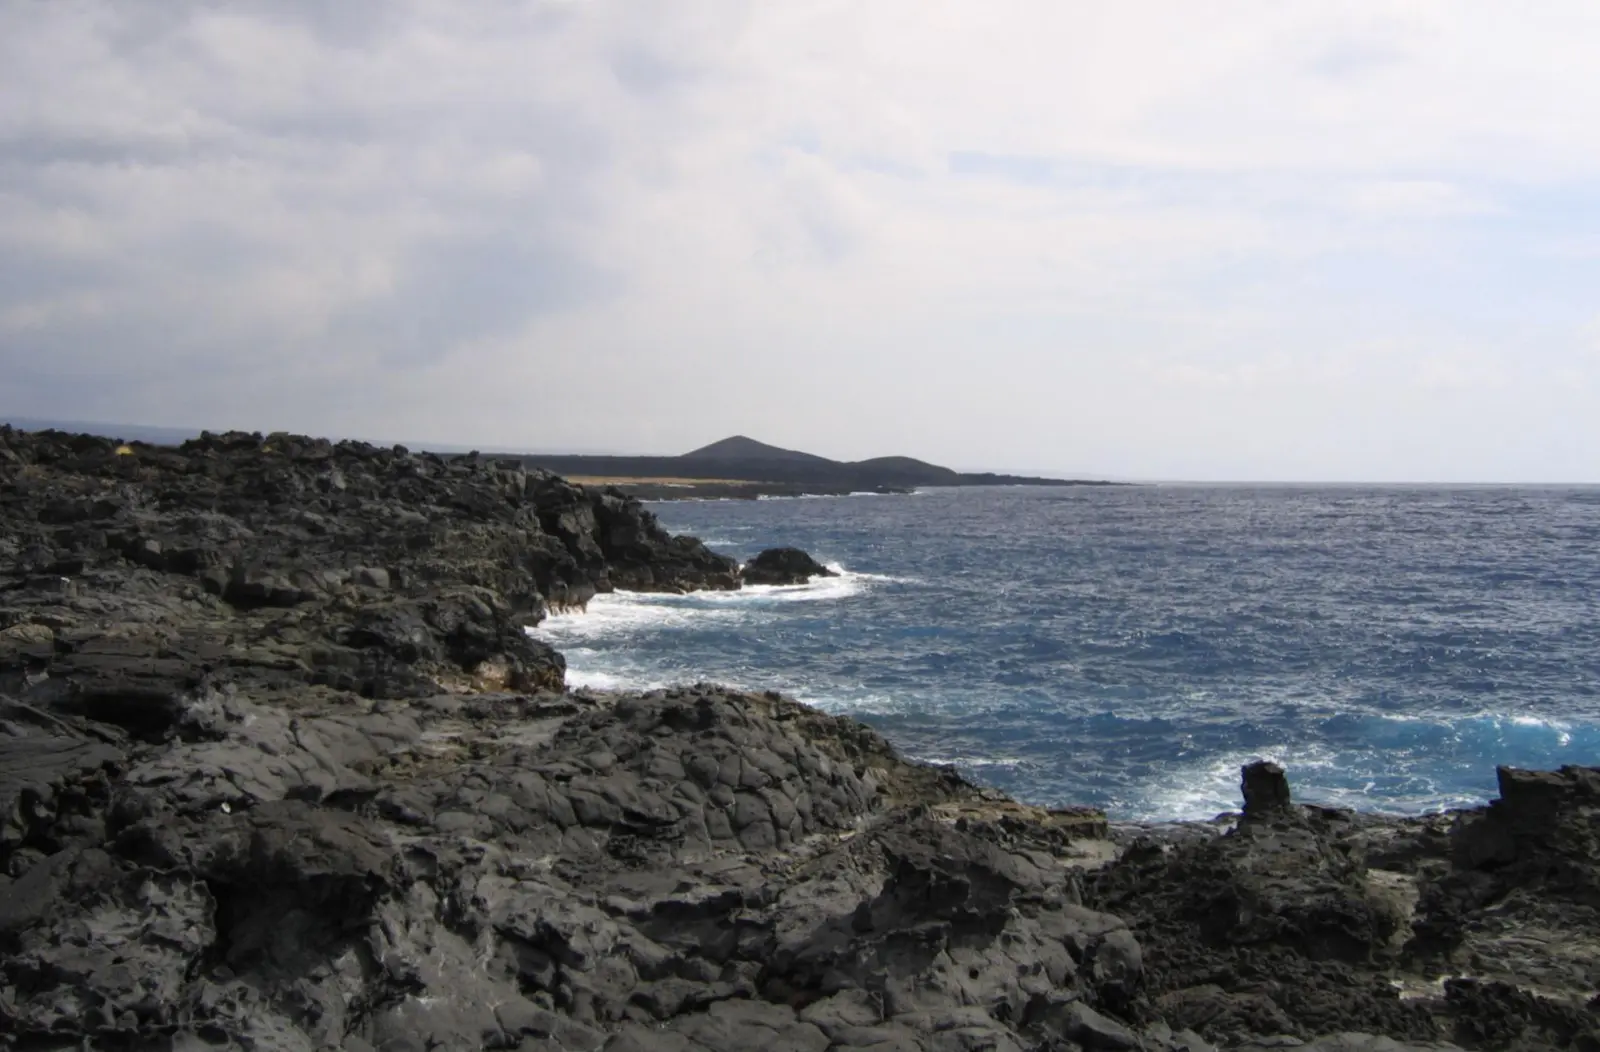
[280, 769]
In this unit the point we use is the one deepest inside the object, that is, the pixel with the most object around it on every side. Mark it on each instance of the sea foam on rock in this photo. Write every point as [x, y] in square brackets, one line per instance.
[280, 769]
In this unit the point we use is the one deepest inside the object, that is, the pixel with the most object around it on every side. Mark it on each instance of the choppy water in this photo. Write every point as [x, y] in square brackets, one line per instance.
[1131, 647]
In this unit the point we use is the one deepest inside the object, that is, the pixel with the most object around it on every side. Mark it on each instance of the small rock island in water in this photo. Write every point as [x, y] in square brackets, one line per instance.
[280, 768]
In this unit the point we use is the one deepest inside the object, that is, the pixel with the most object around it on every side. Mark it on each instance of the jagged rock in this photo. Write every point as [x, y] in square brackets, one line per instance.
[281, 768]
[1518, 911]
[1265, 789]
[54, 785]
[1094, 1031]
[783, 566]
[1267, 928]
[230, 530]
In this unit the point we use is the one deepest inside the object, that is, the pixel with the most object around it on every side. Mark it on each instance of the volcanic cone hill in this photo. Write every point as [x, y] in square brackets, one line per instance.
[748, 467]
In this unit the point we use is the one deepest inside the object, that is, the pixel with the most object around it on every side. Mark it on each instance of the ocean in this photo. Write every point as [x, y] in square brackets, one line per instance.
[1131, 647]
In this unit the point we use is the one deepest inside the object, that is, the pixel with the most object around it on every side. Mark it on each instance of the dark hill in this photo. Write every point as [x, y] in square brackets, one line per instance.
[759, 468]
[748, 449]
[924, 473]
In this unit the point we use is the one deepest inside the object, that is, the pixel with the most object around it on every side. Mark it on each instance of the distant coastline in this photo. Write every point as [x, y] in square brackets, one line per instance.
[736, 468]
[743, 468]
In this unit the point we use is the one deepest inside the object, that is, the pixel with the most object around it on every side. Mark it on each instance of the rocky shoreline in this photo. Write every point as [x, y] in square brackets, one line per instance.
[280, 768]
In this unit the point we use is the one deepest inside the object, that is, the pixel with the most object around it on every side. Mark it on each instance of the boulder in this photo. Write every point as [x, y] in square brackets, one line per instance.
[783, 566]
[1265, 789]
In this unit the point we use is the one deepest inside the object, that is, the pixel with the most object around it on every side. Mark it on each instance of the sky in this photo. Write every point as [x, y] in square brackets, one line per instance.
[1222, 241]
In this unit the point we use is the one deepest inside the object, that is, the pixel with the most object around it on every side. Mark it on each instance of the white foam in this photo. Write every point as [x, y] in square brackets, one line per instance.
[596, 642]
[1561, 729]
[1316, 772]
[617, 613]
[1502, 723]
[1536, 721]
[593, 679]
[827, 496]
[690, 500]
[589, 639]
[873, 704]
[1498, 720]
[818, 589]
[1201, 792]
[581, 674]
[623, 612]
[973, 762]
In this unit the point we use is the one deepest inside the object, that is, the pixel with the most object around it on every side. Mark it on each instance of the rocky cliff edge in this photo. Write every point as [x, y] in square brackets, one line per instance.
[281, 769]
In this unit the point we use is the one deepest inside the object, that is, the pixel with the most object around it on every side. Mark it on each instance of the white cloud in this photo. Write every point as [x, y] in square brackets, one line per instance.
[1415, 199]
[1130, 238]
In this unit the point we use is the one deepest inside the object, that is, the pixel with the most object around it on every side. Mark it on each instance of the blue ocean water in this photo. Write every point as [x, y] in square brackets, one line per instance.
[1131, 647]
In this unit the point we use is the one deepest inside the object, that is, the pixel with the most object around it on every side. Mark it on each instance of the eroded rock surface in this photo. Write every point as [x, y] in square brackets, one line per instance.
[464, 871]
[280, 769]
[1475, 928]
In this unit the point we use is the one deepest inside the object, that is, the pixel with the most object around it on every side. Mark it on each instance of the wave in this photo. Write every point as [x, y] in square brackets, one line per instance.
[668, 502]
[843, 703]
[796, 496]
[1483, 733]
[595, 641]
[970, 761]
[827, 496]
[1382, 762]
[594, 679]
[1211, 787]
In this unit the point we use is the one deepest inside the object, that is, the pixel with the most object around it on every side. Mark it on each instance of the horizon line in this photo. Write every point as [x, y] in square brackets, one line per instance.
[97, 428]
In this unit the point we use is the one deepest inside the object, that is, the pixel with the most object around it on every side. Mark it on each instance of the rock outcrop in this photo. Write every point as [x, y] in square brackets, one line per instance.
[1265, 789]
[1475, 928]
[783, 566]
[1513, 924]
[281, 769]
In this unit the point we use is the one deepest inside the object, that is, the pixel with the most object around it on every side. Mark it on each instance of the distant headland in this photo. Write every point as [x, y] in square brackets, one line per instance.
[736, 467]
[744, 467]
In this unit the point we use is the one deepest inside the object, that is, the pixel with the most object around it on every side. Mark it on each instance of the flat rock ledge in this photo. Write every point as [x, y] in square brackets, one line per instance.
[281, 770]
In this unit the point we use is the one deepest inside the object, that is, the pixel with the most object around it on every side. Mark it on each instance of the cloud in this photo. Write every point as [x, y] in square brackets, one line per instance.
[1100, 238]
[1416, 199]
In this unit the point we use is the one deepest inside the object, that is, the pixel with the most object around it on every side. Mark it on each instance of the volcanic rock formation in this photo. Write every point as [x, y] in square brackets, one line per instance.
[783, 566]
[281, 769]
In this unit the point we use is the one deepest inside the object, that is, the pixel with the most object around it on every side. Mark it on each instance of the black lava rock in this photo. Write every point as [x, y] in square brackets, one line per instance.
[783, 566]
